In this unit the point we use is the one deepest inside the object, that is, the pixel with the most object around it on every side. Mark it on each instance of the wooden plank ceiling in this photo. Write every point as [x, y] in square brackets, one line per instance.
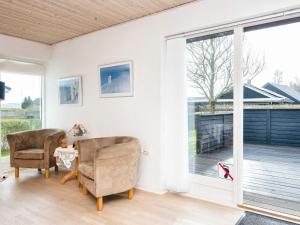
[52, 21]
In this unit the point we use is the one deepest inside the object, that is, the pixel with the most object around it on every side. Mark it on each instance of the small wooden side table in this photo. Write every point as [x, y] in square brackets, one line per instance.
[64, 158]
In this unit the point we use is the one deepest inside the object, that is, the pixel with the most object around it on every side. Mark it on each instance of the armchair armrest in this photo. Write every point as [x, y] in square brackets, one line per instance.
[86, 149]
[51, 142]
[12, 142]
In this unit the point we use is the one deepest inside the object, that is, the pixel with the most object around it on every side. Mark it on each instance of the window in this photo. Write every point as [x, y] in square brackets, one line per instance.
[22, 108]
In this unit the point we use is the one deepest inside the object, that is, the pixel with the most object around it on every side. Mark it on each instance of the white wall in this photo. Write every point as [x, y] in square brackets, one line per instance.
[142, 42]
[17, 48]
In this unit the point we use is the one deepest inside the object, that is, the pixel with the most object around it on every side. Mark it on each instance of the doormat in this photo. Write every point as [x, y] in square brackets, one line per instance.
[256, 219]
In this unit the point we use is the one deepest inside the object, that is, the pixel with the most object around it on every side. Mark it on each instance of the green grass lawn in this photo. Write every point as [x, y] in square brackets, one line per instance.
[5, 153]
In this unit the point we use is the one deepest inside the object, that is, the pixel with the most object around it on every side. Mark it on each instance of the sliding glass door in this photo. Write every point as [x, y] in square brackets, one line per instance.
[243, 101]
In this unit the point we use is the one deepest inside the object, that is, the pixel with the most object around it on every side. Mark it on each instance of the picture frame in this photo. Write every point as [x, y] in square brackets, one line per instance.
[70, 90]
[116, 79]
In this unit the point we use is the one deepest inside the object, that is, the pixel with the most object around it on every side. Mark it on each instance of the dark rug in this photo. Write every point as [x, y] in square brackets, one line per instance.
[256, 219]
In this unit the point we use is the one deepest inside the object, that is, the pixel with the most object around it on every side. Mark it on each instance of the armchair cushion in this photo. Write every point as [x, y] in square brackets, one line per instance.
[87, 169]
[33, 153]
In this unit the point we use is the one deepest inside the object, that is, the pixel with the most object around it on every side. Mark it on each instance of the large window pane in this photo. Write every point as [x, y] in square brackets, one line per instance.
[21, 109]
[210, 102]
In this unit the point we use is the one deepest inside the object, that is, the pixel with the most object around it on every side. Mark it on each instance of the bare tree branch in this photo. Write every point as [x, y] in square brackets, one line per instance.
[210, 66]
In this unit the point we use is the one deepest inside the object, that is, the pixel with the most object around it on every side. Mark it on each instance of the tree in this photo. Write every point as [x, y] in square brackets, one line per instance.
[296, 84]
[210, 69]
[27, 102]
[278, 78]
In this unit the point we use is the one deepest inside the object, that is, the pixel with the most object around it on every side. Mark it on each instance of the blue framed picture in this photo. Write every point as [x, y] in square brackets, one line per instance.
[116, 80]
[70, 92]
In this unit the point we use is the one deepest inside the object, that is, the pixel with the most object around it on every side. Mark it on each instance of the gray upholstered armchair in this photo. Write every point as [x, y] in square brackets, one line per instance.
[108, 166]
[34, 149]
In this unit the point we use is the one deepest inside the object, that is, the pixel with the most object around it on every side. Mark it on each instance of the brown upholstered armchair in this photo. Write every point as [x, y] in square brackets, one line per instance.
[108, 166]
[34, 149]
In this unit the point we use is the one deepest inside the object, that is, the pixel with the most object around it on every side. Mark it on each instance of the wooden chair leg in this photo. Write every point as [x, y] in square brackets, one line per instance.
[46, 173]
[99, 204]
[17, 172]
[130, 193]
[56, 168]
[84, 190]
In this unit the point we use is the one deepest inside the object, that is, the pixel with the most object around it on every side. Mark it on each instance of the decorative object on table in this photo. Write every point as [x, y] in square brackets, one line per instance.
[78, 130]
[64, 159]
[34, 149]
[70, 91]
[99, 158]
[116, 80]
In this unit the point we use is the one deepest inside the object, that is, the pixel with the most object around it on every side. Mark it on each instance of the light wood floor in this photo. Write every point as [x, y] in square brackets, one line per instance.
[32, 200]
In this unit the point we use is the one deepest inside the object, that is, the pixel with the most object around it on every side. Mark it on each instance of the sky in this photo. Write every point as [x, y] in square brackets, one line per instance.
[281, 47]
[21, 87]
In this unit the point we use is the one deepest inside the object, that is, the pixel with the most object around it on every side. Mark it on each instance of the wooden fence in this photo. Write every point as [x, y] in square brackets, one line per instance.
[213, 131]
[261, 126]
[272, 126]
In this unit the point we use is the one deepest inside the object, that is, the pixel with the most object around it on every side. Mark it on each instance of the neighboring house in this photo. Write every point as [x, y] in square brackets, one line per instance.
[268, 94]
[37, 101]
[284, 90]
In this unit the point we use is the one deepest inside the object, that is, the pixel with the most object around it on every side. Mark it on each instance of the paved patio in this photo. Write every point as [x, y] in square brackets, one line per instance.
[271, 175]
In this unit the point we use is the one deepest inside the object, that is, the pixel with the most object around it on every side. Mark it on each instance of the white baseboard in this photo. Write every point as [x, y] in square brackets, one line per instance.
[158, 191]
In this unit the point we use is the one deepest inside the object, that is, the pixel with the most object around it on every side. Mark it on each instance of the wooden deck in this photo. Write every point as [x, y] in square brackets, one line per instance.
[271, 175]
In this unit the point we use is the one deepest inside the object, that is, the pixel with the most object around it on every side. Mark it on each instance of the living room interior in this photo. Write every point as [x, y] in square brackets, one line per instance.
[177, 112]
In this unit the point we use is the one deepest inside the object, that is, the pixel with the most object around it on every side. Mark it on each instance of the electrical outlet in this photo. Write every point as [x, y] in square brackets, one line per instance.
[146, 151]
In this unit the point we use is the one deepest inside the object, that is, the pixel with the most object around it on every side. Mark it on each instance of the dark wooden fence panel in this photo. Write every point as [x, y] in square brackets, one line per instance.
[285, 127]
[272, 126]
[261, 126]
[213, 131]
[255, 126]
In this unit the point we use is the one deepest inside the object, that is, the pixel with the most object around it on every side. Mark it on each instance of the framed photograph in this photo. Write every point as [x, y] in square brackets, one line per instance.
[116, 80]
[70, 92]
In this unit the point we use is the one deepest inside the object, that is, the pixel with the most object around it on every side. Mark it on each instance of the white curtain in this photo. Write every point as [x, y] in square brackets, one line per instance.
[175, 134]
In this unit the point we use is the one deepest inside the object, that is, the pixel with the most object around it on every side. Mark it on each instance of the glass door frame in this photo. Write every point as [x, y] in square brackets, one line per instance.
[238, 105]
[213, 182]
